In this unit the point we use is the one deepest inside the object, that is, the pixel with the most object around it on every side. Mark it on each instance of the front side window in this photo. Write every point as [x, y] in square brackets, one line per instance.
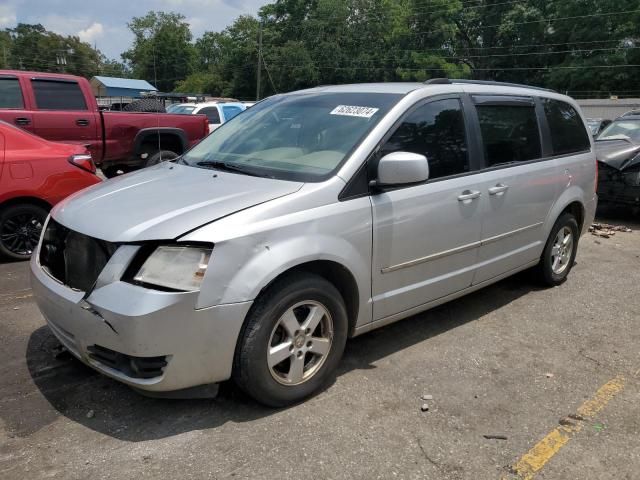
[568, 134]
[301, 137]
[211, 113]
[435, 130]
[56, 95]
[10, 93]
[509, 133]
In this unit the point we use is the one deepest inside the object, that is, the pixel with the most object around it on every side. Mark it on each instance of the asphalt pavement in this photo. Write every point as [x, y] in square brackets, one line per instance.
[551, 376]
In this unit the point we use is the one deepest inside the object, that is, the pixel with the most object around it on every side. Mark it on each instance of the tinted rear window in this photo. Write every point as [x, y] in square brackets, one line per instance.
[10, 93]
[211, 113]
[510, 133]
[54, 95]
[568, 134]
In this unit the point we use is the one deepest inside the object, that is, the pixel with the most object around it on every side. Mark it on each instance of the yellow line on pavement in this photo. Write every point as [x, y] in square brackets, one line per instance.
[545, 449]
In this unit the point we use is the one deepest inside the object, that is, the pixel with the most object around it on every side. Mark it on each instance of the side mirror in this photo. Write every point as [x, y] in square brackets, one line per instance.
[401, 168]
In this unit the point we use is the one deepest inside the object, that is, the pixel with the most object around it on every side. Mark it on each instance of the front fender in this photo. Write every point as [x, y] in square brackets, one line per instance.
[243, 265]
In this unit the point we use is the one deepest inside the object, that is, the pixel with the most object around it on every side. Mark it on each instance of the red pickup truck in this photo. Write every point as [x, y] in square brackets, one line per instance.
[62, 108]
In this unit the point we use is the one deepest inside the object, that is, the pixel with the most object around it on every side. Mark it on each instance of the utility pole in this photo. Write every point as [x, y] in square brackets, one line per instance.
[259, 63]
[4, 53]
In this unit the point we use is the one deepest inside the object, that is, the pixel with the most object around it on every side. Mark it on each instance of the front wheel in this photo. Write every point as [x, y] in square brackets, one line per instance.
[293, 340]
[20, 228]
[560, 251]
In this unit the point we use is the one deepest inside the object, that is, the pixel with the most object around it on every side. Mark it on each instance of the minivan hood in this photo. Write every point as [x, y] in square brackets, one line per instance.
[164, 202]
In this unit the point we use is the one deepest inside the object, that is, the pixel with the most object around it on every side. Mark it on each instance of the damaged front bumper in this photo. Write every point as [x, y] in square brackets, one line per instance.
[618, 171]
[151, 340]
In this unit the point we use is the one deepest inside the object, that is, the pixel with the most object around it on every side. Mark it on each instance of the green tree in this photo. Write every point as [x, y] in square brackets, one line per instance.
[162, 51]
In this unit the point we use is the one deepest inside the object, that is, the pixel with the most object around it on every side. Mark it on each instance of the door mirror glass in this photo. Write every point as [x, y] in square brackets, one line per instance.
[401, 168]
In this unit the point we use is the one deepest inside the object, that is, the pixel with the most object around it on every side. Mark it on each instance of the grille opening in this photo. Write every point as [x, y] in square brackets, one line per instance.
[134, 367]
[72, 258]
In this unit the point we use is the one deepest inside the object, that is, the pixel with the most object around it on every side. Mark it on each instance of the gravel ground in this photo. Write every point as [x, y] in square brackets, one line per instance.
[510, 360]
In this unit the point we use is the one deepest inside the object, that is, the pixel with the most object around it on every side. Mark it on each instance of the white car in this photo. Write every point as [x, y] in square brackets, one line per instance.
[217, 112]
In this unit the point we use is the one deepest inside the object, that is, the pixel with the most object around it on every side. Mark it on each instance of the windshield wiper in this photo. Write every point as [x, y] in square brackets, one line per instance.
[231, 167]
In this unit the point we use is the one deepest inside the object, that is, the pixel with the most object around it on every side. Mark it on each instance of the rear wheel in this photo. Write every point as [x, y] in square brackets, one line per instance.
[20, 229]
[293, 340]
[560, 251]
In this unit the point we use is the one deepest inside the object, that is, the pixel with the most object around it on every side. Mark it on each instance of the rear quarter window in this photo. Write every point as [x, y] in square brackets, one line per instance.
[55, 95]
[10, 93]
[568, 133]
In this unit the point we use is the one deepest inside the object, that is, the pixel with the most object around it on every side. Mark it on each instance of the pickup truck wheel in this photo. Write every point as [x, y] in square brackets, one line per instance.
[159, 157]
[292, 341]
[20, 229]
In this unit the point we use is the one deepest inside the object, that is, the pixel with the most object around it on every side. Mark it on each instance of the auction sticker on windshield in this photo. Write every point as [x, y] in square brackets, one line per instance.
[353, 111]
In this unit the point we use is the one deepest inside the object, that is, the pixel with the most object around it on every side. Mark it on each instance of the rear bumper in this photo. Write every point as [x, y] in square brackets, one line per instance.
[198, 345]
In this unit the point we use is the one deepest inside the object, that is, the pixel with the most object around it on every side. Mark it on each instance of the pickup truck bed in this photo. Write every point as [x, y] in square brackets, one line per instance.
[62, 108]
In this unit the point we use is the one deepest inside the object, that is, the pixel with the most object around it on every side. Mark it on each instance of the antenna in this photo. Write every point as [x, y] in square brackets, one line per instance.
[155, 82]
[259, 79]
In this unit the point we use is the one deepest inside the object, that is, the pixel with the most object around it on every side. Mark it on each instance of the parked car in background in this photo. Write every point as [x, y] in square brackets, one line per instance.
[62, 108]
[312, 217]
[248, 104]
[596, 125]
[35, 174]
[618, 153]
[217, 112]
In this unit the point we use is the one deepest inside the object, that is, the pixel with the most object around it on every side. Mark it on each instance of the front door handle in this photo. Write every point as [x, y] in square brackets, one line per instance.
[499, 189]
[81, 122]
[468, 195]
[22, 121]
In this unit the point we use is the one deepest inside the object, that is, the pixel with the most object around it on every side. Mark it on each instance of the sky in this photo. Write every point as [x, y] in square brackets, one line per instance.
[104, 23]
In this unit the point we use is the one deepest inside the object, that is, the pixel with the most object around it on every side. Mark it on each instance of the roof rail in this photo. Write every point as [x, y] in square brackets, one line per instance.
[445, 81]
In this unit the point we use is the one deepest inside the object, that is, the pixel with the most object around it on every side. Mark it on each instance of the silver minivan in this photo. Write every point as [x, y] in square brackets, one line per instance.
[313, 217]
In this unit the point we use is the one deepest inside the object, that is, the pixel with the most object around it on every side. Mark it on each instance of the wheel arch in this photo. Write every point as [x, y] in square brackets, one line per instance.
[336, 274]
[25, 199]
[571, 201]
[173, 139]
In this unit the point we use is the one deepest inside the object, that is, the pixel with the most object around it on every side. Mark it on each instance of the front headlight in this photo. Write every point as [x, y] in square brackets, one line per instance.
[175, 267]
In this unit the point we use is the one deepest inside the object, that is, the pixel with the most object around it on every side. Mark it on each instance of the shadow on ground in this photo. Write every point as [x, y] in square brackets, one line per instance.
[97, 402]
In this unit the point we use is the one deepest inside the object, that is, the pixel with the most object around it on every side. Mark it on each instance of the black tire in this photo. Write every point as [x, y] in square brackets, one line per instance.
[159, 157]
[251, 371]
[545, 271]
[20, 228]
[145, 105]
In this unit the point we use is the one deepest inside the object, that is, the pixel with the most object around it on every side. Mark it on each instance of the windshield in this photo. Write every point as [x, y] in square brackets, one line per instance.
[626, 128]
[181, 109]
[301, 137]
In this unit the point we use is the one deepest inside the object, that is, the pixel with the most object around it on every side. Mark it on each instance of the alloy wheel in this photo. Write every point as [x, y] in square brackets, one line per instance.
[20, 233]
[300, 343]
[562, 250]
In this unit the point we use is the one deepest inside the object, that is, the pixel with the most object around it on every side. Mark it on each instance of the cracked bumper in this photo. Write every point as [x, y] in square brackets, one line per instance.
[198, 344]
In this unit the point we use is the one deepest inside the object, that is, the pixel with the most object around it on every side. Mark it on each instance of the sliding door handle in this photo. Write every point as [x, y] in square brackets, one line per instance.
[499, 189]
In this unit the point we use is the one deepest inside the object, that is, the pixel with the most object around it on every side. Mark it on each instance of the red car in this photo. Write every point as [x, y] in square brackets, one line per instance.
[35, 174]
